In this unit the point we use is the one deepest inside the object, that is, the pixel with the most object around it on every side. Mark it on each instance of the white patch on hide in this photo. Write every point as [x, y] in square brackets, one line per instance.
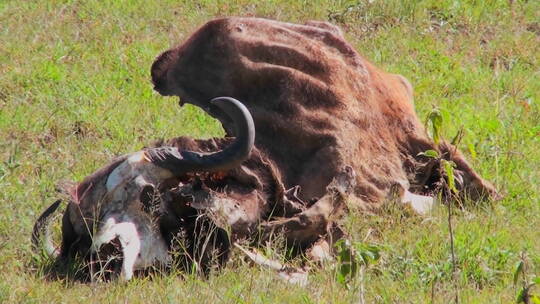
[139, 250]
[421, 204]
[138, 169]
[320, 251]
[126, 170]
[127, 234]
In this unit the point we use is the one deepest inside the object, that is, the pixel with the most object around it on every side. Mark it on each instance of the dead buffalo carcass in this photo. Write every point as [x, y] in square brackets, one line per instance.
[204, 194]
[114, 202]
[317, 105]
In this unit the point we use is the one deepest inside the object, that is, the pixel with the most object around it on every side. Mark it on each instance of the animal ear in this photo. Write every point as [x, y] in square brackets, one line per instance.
[147, 197]
[69, 189]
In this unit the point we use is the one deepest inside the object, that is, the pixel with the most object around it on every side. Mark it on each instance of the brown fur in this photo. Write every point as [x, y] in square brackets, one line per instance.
[317, 104]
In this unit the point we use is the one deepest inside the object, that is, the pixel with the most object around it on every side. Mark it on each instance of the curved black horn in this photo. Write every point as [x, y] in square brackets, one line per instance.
[182, 162]
[41, 229]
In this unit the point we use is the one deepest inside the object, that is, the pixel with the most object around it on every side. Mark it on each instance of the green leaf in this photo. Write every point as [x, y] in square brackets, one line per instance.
[519, 268]
[306, 299]
[351, 256]
[429, 153]
[521, 296]
[536, 280]
[435, 118]
[449, 169]
[367, 253]
[534, 299]
[347, 263]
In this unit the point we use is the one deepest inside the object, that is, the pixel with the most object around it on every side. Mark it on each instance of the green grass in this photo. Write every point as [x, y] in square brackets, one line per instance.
[75, 90]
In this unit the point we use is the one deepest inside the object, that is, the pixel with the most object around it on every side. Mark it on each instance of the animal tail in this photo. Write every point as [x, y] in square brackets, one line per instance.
[41, 235]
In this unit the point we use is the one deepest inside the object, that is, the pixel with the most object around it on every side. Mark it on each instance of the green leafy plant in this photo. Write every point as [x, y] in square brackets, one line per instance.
[446, 169]
[430, 154]
[353, 256]
[525, 294]
[435, 118]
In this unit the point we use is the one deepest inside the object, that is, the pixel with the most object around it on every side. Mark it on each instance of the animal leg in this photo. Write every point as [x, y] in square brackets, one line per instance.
[471, 184]
[322, 249]
[308, 226]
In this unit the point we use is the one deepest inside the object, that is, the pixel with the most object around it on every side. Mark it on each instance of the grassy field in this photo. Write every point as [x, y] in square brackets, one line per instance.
[75, 91]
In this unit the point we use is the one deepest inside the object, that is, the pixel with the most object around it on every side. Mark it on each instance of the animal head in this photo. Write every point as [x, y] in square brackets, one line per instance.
[116, 201]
